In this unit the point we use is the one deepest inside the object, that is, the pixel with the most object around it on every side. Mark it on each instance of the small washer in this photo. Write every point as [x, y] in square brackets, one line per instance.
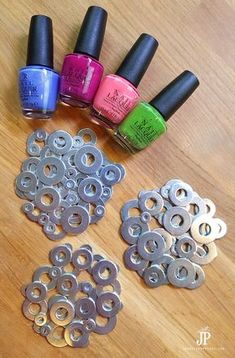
[154, 276]
[208, 236]
[85, 308]
[41, 271]
[87, 132]
[55, 177]
[87, 254]
[45, 330]
[183, 200]
[60, 255]
[110, 325]
[177, 230]
[62, 312]
[61, 286]
[133, 260]
[26, 181]
[30, 164]
[145, 217]
[133, 222]
[36, 285]
[105, 310]
[82, 340]
[53, 338]
[69, 158]
[77, 210]
[100, 267]
[131, 204]
[173, 272]
[199, 278]
[204, 257]
[40, 319]
[81, 164]
[53, 193]
[88, 195]
[55, 272]
[110, 174]
[54, 142]
[115, 285]
[186, 240]
[157, 249]
[27, 311]
[151, 195]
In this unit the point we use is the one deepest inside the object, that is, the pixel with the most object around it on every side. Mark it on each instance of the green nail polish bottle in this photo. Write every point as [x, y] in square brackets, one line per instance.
[147, 121]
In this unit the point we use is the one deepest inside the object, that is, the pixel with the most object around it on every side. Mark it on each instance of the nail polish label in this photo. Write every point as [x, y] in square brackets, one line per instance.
[115, 98]
[38, 88]
[142, 126]
[80, 77]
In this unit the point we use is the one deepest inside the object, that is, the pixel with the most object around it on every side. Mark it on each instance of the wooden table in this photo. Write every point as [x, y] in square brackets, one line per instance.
[199, 148]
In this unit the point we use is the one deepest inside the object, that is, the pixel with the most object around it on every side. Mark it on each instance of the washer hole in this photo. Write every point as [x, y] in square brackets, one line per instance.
[151, 203]
[67, 285]
[88, 159]
[45, 278]
[204, 229]
[181, 193]
[108, 304]
[75, 220]
[76, 334]
[87, 138]
[181, 272]
[90, 189]
[135, 230]
[135, 258]
[105, 273]
[186, 247]
[61, 313]
[82, 259]
[36, 292]
[177, 220]
[47, 199]
[34, 308]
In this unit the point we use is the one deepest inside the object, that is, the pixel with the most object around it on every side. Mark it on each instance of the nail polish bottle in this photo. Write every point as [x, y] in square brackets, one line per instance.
[118, 93]
[147, 121]
[38, 82]
[82, 72]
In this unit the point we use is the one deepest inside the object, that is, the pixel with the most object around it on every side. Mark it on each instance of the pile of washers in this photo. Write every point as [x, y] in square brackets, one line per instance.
[67, 181]
[68, 316]
[171, 234]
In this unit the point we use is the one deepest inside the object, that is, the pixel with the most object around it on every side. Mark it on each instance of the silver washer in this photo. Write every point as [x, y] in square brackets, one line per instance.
[131, 204]
[110, 174]
[41, 271]
[183, 200]
[154, 276]
[26, 182]
[133, 260]
[54, 178]
[55, 144]
[88, 195]
[81, 163]
[105, 310]
[87, 132]
[157, 249]
[173, 272]
[177, 230]
[28, 313]
[65, 289]
[69, 336]
[36, 285]
[186, 240]
[85, 308]
[110, 325]
[60, 255]
[53, 193]
[62, 312]
[151, 195]
[136, 225]
[100, 267]
[87, 254]
[199, 278]
[75, 210]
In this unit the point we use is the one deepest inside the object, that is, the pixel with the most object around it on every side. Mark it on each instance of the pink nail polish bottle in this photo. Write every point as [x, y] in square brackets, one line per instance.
[82, 72]
[117, 94]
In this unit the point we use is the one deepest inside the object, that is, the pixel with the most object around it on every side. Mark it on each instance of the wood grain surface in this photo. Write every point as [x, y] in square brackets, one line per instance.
[199, 148]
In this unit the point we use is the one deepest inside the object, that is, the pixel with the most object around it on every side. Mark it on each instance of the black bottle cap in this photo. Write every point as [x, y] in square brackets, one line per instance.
[175, 94]
[91, 35]
[40, 42]
[136, 62]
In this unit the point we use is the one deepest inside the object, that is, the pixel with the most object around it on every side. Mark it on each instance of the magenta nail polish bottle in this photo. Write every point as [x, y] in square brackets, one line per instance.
[82, 72]
[117, 94]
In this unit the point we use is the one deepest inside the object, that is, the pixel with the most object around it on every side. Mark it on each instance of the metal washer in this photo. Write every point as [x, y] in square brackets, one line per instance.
[56, 177]
[100, 267]
[78, 210]
[88, 150]
[126, 226]
[60, 255]
[157, 250]
[100, 304]
[55, 199]
[53, 139]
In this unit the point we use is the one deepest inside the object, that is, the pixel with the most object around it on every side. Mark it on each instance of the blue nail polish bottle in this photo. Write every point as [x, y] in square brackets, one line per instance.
[38, 82]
